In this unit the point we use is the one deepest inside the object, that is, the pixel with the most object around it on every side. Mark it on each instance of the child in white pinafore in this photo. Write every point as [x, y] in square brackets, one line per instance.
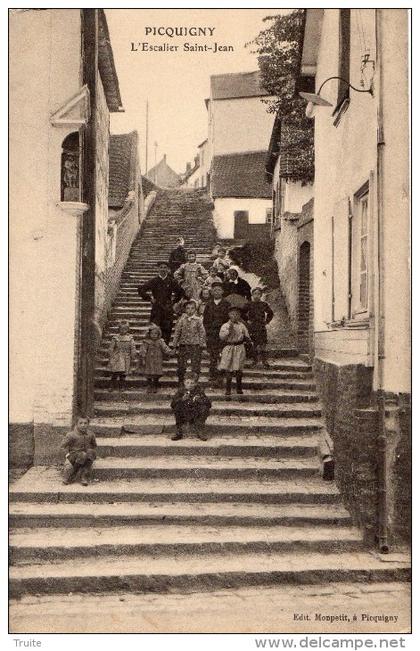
[233, 334]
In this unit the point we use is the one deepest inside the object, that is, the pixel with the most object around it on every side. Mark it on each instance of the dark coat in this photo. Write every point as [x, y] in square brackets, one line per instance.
[214, 317]
[177, 257]
[258, 315]
[194, 402]
[162, 290]
[241, 287]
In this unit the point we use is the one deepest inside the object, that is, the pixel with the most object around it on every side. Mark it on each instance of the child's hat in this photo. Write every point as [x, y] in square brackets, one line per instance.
[234, 309]
[153, 327]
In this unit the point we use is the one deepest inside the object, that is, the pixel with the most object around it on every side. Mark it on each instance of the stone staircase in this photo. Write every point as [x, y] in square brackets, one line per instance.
[245, 508]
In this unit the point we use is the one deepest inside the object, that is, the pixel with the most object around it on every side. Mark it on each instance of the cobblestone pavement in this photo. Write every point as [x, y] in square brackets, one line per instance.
[330, 608]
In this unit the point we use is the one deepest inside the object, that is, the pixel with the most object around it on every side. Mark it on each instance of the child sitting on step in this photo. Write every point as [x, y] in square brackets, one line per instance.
[80, 448]
[122, 353]
[234, 335]
[151, 352]
[190, 405]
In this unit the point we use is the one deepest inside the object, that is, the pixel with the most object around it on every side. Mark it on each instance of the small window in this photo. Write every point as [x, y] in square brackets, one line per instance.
[70, 168]
[269, 216]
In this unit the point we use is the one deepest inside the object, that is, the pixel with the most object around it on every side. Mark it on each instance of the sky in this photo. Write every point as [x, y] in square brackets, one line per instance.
[176, 83]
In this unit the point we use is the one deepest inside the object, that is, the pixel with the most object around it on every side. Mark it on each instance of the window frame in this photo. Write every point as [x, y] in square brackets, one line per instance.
[361, 216]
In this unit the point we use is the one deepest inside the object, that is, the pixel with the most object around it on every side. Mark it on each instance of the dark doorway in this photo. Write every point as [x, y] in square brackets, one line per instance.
[304, 304]
[241, 224]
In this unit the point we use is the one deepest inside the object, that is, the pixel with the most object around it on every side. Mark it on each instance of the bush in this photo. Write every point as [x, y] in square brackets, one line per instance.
[258, 258]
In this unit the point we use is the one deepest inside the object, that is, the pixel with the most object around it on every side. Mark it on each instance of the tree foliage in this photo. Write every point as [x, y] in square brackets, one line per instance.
[278, 48]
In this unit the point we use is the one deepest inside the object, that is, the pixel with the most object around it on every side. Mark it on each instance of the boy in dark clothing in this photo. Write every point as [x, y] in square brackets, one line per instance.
[178, 256]
[163, 290]
[190, 405]
[216, 313]
[80, 445]
[233, 284]
[258, 315]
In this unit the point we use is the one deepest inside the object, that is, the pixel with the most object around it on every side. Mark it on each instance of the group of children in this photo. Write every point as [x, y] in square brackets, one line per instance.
[226, 331]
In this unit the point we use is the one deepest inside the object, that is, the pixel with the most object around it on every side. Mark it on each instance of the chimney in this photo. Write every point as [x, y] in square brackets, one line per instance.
[188, 168]
[164, 158]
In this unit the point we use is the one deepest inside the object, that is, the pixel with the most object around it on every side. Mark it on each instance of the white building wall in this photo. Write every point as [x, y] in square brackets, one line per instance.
[345, 155]
[239, 125]
[224, 209]
[397, 363]
[44, 73]
[346, 158]
[296, 194]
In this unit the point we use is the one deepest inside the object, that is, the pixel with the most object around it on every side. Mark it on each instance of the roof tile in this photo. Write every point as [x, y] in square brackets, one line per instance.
[240, 175]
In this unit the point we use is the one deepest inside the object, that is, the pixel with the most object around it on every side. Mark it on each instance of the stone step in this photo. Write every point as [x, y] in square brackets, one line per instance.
[247, 410]
[192, 572]
[149, 446]
[45, 544]
[41, 484]
[215, 425]
[216, 395]
[205, 466]
[31, 514]
[168, 384]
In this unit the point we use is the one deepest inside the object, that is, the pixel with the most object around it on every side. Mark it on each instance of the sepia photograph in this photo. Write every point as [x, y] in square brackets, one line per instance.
[209, 321]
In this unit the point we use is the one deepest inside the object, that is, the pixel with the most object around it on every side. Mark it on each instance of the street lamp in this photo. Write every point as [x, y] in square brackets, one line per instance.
[315, 99]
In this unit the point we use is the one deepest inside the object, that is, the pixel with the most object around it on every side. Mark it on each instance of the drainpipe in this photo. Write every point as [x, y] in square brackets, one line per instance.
[87, 307]
[380, 318]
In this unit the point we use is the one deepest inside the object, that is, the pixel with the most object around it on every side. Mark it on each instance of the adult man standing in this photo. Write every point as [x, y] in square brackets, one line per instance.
[161, 290]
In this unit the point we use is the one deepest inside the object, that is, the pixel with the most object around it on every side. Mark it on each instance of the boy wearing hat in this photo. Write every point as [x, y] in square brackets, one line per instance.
[190, 405]
[258, 315]
[233, 335]
[178, 256]
[216, 313]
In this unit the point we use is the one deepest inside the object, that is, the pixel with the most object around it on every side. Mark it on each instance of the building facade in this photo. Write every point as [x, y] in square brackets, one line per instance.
[63, 85]
[362, 253]
[292, 230]
[239, 128]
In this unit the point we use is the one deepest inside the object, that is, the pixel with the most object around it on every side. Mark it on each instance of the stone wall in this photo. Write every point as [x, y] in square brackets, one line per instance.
[101, 210]
[286, 258]
[353, 425]
[126, 228]
[296, 229]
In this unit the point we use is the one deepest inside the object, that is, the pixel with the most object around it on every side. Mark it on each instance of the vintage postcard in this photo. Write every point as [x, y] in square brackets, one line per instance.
[210, 345]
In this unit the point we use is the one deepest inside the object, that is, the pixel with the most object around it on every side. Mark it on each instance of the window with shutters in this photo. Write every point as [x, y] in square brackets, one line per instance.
[360, 238]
